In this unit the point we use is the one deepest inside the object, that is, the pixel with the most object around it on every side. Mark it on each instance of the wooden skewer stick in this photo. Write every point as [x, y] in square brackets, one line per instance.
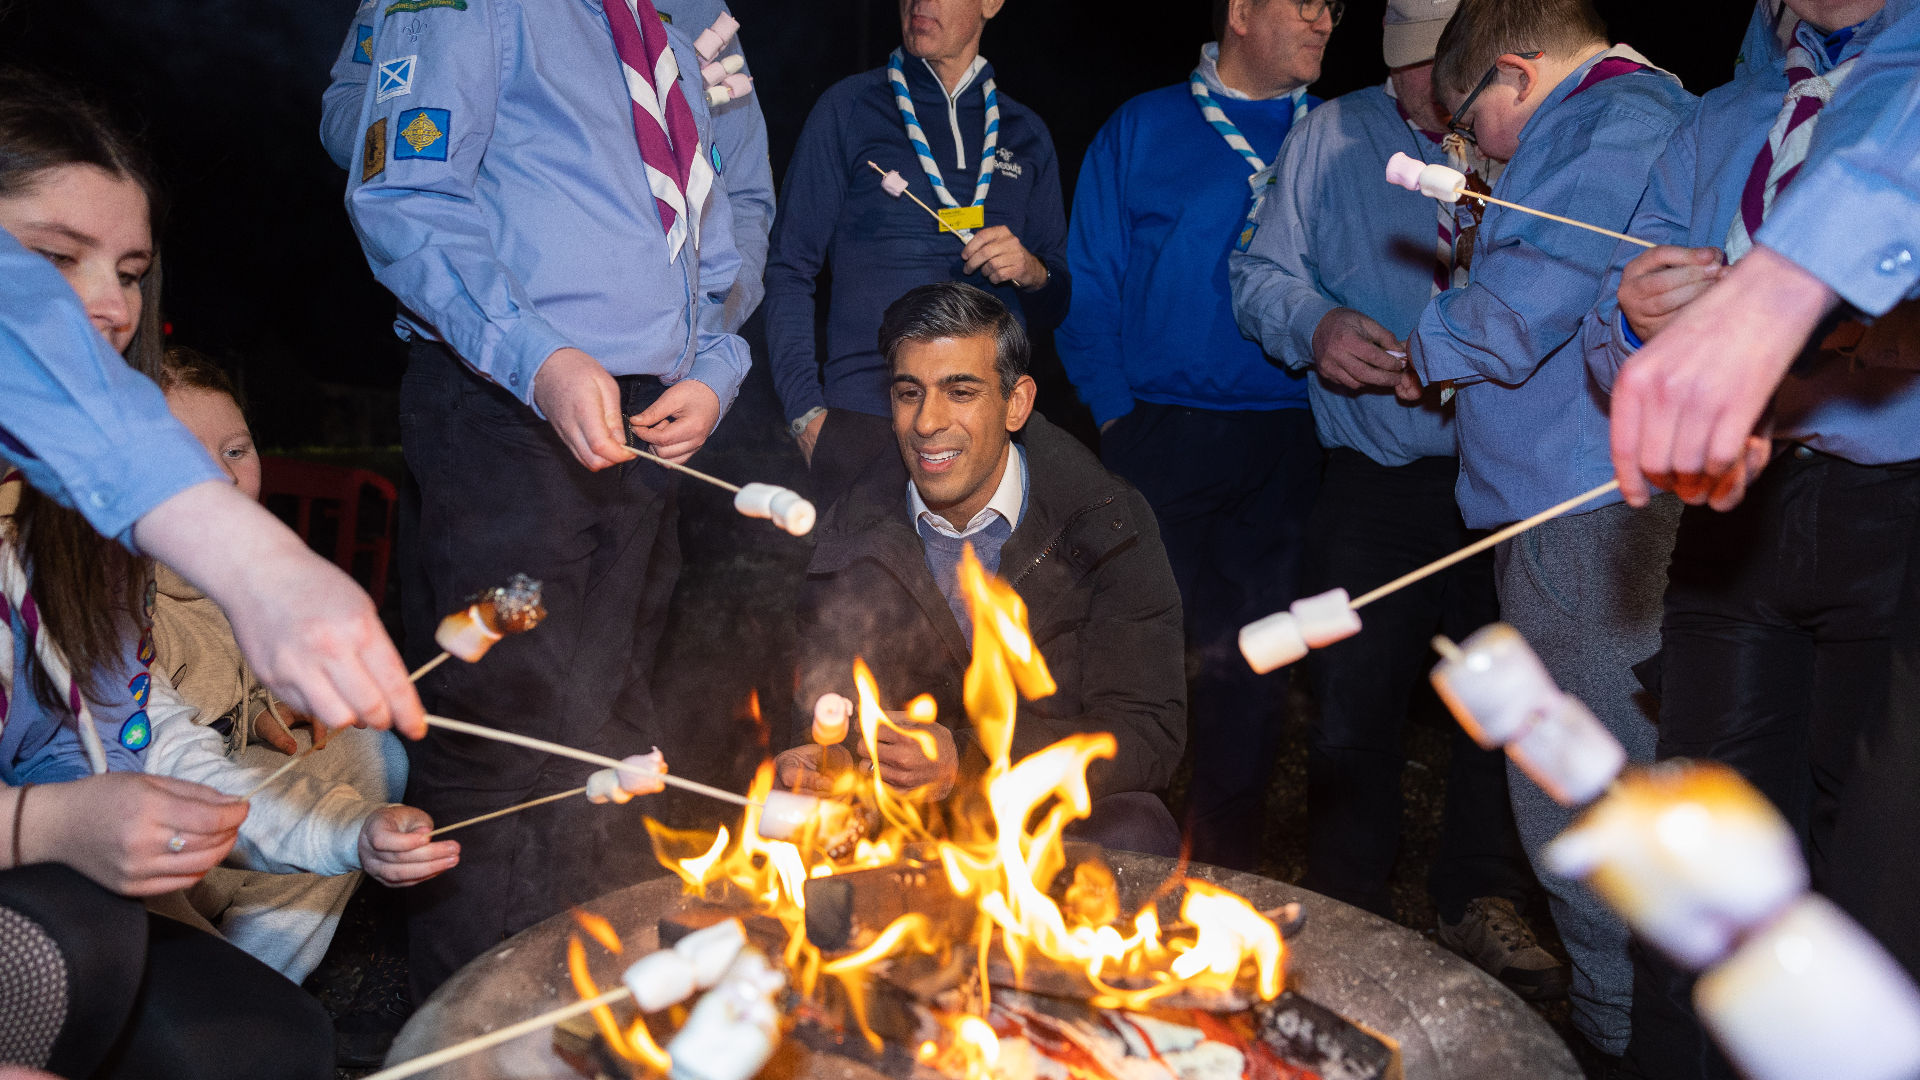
[1554, 217]
[495, 1038]
[583, 755]
[1477, 546]
[944, 227]
[696, 473]
[428, 666]
[528, 805]
[279, 772]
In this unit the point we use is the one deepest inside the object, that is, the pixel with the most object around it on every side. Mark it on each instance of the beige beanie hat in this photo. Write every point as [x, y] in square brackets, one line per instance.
[1413, 28]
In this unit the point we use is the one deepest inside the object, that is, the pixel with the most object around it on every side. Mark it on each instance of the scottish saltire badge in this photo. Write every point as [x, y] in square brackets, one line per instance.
[142, 687]
[373, 156]
[395, 78]
[422, 134]
[363, 44]
[137, 732]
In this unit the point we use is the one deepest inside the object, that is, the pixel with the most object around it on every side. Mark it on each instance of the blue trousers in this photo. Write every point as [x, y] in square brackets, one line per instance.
[1232, 491]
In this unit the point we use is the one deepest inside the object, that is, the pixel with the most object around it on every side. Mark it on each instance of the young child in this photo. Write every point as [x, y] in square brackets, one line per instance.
[1535, 84]
[311, 831]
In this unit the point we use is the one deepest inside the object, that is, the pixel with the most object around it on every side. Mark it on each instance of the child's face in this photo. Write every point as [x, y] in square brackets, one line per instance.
[1502, 108]
[216, 421]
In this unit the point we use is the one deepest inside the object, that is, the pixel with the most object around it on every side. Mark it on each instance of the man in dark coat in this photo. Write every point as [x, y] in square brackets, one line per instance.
[1077, 543]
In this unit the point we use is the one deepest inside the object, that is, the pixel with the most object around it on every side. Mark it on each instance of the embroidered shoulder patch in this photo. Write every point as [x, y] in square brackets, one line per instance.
[363, 44]
[664, 17]
[145, 653]
[422, 134]
[137, 732]
[142, 687]
[1246, 236]
[373, 156]
[396, 78]
[715, 148]
[422, 5]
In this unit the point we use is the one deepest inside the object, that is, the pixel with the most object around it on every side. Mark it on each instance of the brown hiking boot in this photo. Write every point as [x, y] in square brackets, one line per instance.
[1493, 936]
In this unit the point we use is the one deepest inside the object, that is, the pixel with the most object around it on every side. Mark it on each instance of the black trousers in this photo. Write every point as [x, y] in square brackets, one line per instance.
[1775, 654]
[496, 493]
[1371, 524]
[146, 998]
[1231, 491]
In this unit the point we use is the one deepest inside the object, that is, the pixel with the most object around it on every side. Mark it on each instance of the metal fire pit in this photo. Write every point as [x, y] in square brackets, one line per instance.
[1452, 1021]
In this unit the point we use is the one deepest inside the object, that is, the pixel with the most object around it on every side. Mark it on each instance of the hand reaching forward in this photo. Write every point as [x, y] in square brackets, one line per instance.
[678, 423]
[119, 829]
[997, 253]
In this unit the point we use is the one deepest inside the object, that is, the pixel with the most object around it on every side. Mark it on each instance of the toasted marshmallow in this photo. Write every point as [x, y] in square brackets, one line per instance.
[1813, 995]
[786, 813]
[1497, 687]
[1326, 618]
[715, 37]
[1272, 642]
[466, 634]
[660, 979]
[1689, 854]
[831, 717]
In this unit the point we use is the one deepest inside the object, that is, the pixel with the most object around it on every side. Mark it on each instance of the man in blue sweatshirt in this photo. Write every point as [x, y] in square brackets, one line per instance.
[1579, 125]
[1795, 589]
[1213, 433]
[964, 148]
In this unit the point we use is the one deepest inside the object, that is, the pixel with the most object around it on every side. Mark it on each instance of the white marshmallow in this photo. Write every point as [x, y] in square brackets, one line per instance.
[786, 813]
[1326, 618]
[1405, 171]
[734, 1029]
[659, 979]
[640, 777]
[1497, 687]
[756, 500]
[715, 37]
[1440, 182]
[712, 950]
[791, 512]
[465, 635]
[718, 96]
[1272, 642]
[1689, 854]
[1813, 996]
[1568, 752]
[894, 184]
[831, 716]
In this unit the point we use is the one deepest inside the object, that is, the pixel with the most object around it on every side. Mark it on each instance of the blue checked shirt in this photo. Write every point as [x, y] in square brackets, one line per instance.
[499, 193]
[86, 429]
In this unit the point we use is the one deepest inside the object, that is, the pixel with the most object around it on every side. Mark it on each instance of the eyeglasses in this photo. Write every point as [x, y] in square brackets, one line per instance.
[1311, 10]
[1453, 122]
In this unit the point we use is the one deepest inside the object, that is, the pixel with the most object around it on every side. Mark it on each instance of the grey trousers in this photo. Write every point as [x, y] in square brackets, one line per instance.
[1585, 591]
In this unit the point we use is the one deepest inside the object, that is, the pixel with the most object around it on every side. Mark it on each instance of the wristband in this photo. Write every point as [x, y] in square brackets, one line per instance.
[799, 427]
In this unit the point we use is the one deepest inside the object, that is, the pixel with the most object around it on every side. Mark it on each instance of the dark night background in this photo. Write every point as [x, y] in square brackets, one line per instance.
[262, 269]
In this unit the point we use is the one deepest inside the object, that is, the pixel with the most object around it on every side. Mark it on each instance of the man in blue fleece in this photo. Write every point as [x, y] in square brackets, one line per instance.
[934, 115]
[1795, 589]
[1213, 433]
[1579, 125]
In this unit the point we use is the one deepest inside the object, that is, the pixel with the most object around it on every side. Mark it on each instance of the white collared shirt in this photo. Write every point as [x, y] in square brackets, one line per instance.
[1008, 499]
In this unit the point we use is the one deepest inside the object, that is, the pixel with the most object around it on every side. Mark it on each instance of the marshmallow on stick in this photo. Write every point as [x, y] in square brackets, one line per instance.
[1447, 185]
[1503, 696]
[513, 608]
[641, 776]
[895, 185]
[783, 507]
[696, 962]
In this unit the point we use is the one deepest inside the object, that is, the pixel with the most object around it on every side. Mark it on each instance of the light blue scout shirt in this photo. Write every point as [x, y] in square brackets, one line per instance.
[1870, 416]
[739, 151]
[1530, 424]
[1332, 235]
[500, 195]
[1852, 215]
[87, 430]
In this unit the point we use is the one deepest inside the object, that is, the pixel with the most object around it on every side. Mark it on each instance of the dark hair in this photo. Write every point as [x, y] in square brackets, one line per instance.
[86, 586]
[951, 309]
[1482, 31]
[189, 369]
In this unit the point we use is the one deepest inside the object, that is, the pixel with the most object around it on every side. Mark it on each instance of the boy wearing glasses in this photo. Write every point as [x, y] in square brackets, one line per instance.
[1214, 433]
[1535, 84]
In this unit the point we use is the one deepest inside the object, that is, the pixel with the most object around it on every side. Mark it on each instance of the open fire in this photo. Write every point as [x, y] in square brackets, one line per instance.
[974, 882]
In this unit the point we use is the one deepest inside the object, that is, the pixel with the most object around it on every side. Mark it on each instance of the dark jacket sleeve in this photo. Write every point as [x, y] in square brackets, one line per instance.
[1046, 238]
[1132, 656]
[810, 203]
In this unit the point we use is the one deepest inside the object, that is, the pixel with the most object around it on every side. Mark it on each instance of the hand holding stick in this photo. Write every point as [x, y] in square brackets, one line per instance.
[783, 507]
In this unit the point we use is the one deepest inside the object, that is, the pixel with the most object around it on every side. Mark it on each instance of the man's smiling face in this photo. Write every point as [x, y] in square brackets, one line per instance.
[953, 422]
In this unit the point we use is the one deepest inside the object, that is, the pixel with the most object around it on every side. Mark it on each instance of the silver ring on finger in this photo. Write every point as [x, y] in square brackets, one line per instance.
[176, 843]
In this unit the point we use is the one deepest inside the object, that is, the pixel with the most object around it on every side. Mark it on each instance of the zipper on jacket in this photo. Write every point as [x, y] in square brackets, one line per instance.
[1057, 537]
[953, 112]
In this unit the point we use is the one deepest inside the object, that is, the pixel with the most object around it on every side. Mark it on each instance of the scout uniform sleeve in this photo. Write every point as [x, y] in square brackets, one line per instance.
[1535, 280]
[746, 173]
[347, 84]
[1047, 239]
[811, 201]
[87, 430]
[1276, 297]
[411, 195]
[721, 358]
[1097, 242]
[1665, 216]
